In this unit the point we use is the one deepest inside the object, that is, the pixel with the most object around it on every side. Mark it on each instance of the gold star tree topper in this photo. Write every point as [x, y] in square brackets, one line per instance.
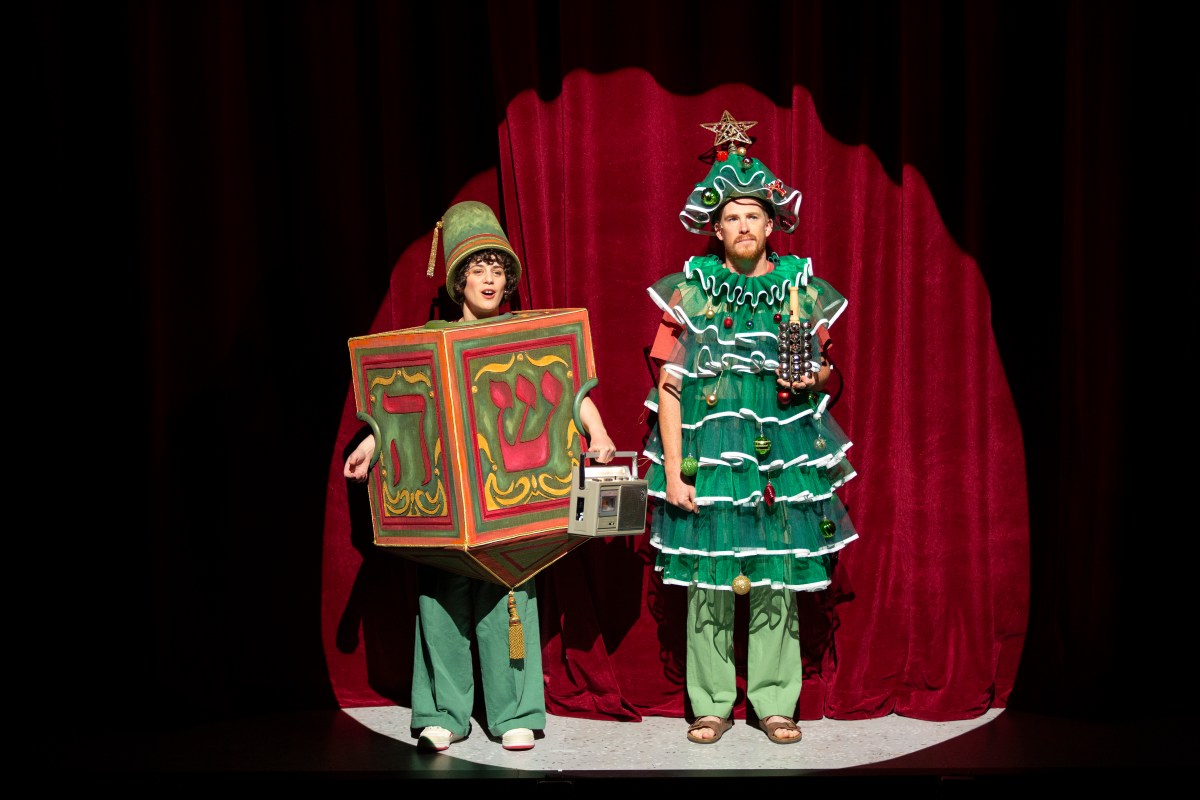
[729, 130]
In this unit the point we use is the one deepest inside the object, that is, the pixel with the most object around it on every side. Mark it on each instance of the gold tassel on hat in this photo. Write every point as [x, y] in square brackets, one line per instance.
[433, 250]
[516, 633]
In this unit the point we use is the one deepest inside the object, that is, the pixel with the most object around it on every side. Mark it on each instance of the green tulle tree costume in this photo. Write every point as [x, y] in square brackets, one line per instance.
[765, 467]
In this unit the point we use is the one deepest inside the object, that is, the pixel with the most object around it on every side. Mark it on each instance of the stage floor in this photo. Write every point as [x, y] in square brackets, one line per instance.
[375, 744]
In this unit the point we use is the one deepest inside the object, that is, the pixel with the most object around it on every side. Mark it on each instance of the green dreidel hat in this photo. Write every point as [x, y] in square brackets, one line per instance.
[467, 228]
[735, 173]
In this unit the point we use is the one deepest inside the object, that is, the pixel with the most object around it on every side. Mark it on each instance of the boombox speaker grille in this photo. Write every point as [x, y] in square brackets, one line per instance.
[631, 515]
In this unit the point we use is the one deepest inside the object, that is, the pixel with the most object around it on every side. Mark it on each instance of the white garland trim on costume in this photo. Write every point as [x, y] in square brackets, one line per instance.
[828, 321]
[826, 461]
[842, 482]
[707, 368]
[684, 321]
[752, 415]
[798, 552]
[808, 587]
[754, 363]
[803, 498]
[804, 274]
[734, 459]
[691, 426]
[737, 295]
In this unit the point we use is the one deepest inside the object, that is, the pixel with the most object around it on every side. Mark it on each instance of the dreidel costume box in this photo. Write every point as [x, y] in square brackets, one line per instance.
[476, 439]
[476, 425]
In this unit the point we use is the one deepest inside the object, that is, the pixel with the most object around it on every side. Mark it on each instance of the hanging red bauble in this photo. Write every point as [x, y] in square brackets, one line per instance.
[769, 494]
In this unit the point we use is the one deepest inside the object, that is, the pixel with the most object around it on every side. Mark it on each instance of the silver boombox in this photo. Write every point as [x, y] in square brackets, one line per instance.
[608, 500]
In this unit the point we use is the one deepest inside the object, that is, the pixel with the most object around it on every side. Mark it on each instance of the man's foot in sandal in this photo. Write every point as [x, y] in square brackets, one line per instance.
[781, 730]
[707, 730]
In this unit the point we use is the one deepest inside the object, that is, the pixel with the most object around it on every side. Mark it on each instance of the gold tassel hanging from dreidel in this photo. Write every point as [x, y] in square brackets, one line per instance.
[516, 633]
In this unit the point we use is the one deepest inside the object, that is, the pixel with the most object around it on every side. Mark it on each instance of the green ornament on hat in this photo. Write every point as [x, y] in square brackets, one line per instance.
[735, 173]
[467, 228]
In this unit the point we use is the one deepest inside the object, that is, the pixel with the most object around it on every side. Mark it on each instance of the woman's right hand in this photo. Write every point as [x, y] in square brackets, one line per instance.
[358, 463]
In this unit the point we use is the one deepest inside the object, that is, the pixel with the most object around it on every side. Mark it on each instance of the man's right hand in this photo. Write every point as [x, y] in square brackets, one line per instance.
[682, 495]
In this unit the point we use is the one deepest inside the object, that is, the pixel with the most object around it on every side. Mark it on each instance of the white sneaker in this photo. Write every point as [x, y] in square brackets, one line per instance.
[438, 739]
[517, 739]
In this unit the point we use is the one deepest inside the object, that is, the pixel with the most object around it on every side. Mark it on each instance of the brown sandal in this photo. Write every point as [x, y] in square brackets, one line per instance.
[715, 724]
[772, 728]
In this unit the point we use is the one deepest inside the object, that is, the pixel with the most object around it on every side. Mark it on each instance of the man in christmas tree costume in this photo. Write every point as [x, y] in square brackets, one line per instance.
[745, 457]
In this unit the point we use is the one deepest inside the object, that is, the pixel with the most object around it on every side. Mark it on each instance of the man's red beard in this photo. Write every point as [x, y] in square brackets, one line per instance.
[747, 250]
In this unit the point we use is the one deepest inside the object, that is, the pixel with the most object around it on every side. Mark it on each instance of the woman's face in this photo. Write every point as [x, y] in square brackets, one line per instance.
[484, 291]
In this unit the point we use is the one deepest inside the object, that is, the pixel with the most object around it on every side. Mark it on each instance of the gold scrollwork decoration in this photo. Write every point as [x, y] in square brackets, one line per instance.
[404, 375]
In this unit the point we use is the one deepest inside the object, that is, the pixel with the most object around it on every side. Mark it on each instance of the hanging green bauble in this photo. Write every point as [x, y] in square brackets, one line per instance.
[709, 197]
[688, 467]
[827, 528]
[762, 445]
[819, 443]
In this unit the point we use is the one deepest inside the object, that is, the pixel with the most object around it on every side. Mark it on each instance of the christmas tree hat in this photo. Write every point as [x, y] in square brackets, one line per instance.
[735, 173]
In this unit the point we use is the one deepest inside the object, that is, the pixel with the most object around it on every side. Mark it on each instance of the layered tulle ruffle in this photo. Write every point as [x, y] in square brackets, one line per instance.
[767, 471]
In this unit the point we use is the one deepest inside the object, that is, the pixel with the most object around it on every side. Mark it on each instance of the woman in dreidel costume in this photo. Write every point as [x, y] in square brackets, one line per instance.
[453, 610]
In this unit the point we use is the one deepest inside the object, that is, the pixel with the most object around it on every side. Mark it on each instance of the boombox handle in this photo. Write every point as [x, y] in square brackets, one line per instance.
[630, 454]
[582, 393]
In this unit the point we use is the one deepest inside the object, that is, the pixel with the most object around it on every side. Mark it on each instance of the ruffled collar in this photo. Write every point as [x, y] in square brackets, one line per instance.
[771, 288]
